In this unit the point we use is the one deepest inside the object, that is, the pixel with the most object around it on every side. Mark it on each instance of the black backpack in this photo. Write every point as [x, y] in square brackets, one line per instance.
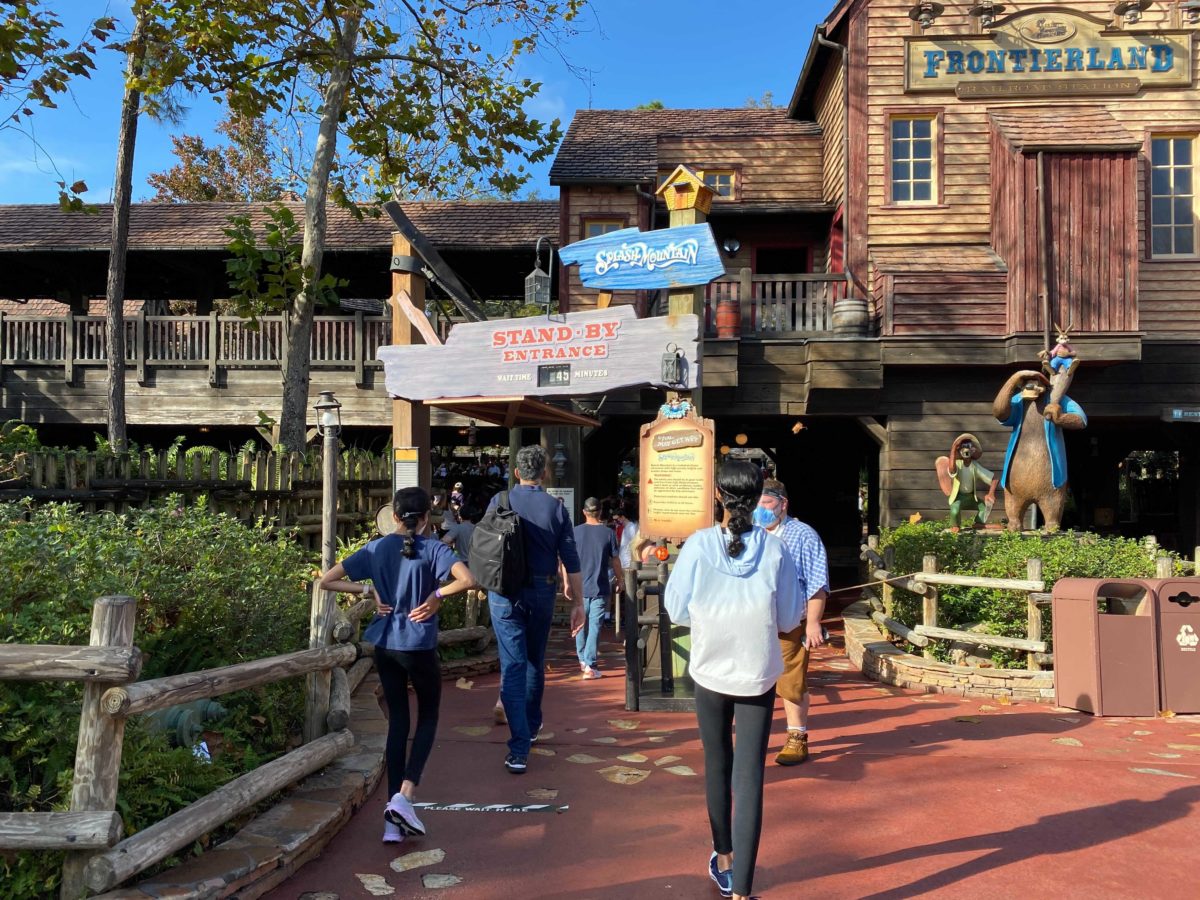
[497, 557]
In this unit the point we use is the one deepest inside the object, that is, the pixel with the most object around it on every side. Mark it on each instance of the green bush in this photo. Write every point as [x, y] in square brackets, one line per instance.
[210, 591]
[1003, 555]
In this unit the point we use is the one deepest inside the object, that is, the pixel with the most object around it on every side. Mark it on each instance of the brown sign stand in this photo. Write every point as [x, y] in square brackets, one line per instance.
[676, 494]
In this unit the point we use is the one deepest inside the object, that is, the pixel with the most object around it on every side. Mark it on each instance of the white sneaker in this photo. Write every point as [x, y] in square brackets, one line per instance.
[391, 832]
[400, 812]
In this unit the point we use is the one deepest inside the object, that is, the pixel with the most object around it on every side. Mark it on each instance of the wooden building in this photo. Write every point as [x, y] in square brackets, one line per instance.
[887, 242]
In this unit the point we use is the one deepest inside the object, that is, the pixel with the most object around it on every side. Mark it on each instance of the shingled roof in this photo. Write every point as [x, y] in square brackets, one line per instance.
[621, 145]
[449, 225]
[1063, 127]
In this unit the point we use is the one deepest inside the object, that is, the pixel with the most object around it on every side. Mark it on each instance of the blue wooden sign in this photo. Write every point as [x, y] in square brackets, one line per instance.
[632, 260]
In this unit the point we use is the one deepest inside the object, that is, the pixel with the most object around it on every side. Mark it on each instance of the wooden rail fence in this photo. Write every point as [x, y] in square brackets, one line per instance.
[281, 488]
[777, 306]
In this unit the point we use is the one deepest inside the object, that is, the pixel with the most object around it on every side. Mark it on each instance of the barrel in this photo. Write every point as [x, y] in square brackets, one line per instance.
[729, 317]
[850, 317]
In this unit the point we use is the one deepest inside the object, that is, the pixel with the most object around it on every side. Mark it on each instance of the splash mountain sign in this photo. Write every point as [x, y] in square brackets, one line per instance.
[1048, 51]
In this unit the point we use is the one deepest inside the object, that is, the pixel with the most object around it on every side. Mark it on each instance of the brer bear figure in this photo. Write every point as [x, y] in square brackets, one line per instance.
[1035, 467]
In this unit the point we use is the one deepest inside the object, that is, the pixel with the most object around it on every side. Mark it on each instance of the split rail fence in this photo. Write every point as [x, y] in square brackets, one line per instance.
[283, 489]
[925, 583]
[99, 858]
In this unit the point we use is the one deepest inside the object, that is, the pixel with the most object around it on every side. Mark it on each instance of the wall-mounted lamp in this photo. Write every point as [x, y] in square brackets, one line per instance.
[1131, 10]
[560, 460]
[537, 282]
[924, 12]
[986, 12]
[797, 427]
[724, 449]
[1191, 9]
[740, 439]
[672, 365]
[731, 245]
[472, 434]
[329, 415]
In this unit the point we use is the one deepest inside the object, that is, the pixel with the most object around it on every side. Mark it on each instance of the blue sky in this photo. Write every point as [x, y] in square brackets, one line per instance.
[635, 51]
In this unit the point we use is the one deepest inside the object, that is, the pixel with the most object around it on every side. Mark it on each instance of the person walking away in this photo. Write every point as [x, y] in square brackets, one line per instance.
[405, 569]
[812, 573]
[522, 622]
[627, 531]
[598, 555]
[735, 585]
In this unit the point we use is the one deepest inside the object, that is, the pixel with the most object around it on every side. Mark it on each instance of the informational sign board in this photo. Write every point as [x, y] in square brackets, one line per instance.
[1048, 52]
[567, 496]
[1181, 414]
[406, 470]
[633, 260]
[676, 496]
[588, 352]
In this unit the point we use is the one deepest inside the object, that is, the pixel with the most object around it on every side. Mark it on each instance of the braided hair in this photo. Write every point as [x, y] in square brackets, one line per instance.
[739, 485]
[409, 506]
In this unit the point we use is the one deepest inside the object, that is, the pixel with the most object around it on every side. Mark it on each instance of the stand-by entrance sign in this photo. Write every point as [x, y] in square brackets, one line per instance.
[576, 353]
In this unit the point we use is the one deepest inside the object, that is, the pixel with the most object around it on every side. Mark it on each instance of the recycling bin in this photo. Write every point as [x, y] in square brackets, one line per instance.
[1178, 607]
[1106, 646]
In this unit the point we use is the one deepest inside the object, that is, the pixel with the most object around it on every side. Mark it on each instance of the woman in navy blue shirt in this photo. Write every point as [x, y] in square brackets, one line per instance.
[405, 569]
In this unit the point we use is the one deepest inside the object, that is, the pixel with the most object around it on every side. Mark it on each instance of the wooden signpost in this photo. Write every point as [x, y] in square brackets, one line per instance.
[676, 496]
[575, 353]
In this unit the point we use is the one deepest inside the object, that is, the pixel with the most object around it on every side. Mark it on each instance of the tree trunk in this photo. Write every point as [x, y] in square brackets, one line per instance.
[115, 290]
[294, 413]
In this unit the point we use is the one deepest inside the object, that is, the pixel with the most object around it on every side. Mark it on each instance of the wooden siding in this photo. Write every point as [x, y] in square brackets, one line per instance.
[922, 303]
[595, 202]
[831, 116]
[1094, 256]
[1166, 298]
[769, 169]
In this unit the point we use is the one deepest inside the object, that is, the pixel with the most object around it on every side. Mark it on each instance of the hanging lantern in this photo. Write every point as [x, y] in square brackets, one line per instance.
[537, 282]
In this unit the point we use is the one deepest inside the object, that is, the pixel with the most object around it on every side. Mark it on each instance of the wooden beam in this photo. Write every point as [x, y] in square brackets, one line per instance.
[900, 629]
[999, 584]
[59, 830]
[403, 302]
[985, 640]
[54, 662]
[876, 431]
[159, 693]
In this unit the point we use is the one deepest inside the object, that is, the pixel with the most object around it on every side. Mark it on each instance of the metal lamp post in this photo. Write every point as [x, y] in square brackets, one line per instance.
[329, 426]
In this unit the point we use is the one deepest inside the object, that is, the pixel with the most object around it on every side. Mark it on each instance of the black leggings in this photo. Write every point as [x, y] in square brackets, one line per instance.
[738, 772]
[396, 669]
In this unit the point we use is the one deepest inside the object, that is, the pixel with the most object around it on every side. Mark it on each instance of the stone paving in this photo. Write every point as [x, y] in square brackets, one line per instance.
[908, 794]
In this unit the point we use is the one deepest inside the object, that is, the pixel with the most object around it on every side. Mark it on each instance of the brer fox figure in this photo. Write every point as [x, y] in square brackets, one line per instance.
[1035, 467]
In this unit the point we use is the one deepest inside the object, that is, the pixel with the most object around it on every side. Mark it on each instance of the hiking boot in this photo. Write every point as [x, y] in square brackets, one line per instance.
[515, 764]
[722, 878]
[498, 714]
[400, 811]
[795, 751]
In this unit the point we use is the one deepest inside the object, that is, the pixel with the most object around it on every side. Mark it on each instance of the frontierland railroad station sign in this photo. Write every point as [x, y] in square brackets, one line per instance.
[576, 353]
[1048, 52]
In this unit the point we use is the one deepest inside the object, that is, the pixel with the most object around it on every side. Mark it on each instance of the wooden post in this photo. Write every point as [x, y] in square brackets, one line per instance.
[360, 349]
[410, 421]
[1164, 567]
[338, 717]
[681, 301]
[889, 596]
[98, 750]
[214, 348]
[746, 300]
[929, 603]
[69, 348]
[1033, 571]
[317, 684]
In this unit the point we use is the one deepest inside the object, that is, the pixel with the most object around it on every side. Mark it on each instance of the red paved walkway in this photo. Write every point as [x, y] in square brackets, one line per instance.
[907, 795]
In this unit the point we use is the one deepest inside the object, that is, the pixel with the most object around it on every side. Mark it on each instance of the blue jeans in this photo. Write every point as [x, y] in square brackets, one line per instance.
[589, 637]
[522, 625]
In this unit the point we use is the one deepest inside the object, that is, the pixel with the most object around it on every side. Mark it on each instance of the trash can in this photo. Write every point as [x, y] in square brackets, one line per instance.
[1105, 646]
[1179, 643]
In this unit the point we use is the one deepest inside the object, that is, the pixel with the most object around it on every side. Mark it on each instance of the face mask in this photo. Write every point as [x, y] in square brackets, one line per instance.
[764, 518]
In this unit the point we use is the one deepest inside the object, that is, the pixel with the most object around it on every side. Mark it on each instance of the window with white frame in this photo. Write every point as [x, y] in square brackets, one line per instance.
[1172, 196]
[912, 154]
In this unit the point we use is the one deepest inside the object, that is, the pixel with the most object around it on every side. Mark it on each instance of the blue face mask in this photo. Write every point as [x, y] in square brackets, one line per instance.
[765, 518]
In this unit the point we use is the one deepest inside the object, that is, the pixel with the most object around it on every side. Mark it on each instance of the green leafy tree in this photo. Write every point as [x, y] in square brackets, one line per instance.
[766, 101]
[37, 63]
[420, 99]
[653, 104]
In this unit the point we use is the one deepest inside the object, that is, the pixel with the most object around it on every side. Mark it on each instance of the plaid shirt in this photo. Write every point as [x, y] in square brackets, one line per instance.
[812, 565]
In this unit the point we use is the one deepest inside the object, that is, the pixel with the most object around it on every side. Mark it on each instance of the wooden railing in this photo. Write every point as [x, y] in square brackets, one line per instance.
[212, 342]
[281, 488]
[777, 305]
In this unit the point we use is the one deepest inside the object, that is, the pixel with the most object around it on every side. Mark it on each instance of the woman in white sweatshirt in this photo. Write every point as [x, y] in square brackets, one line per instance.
[735, 585]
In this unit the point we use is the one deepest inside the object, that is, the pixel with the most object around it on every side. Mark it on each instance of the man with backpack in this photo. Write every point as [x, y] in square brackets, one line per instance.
[525, 522]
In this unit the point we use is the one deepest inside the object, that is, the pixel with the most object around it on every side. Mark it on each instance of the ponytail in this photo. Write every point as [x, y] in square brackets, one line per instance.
[409, 506]
[410, 536]
[739, 486]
